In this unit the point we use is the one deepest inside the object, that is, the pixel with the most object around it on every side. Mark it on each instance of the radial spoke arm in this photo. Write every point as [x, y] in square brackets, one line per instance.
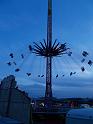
[42, 45]
[54, 43]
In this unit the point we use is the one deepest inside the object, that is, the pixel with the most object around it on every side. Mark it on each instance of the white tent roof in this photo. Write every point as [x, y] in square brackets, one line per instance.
[4, 120]
[84, 113]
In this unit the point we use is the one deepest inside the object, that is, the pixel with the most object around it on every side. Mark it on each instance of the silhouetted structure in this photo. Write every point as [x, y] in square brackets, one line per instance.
[14, 103]
[49, 50]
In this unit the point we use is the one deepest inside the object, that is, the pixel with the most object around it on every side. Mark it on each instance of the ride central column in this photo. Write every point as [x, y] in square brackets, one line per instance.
[48, 92]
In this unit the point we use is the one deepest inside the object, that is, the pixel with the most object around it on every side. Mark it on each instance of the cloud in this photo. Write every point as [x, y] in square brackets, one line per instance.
[64, 88]
[59, 92]
[35, 90]
[74, 82]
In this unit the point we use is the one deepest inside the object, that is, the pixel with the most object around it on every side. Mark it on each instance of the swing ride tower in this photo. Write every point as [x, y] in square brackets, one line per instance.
[48, 92]
[48, 51]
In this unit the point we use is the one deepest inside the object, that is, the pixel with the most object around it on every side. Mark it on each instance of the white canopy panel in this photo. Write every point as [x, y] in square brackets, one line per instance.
[84, 113]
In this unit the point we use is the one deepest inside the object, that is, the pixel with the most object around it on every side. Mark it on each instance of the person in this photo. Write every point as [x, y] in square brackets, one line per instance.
[42, 76]
[83, 69]
[70, 53]
[17, 70]
[85, 54]
[9, 63]
[57, 76]
[82, 60]
[71, 73]
[22, 56]
[28, 74]
[14, 63]
[11, 55]
[90, 62]
[74, 73]
[30, 48]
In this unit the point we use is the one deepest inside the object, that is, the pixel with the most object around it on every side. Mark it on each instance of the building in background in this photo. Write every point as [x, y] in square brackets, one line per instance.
[14, 103]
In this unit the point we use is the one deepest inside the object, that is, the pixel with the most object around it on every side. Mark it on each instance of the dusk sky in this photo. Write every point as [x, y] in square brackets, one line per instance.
[23, 22]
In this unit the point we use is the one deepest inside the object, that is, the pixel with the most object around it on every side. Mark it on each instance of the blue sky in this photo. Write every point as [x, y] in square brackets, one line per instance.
[23, 22]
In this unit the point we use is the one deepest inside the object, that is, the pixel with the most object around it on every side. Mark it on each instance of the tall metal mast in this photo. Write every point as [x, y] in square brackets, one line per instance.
[48, 51]
[48, 92]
